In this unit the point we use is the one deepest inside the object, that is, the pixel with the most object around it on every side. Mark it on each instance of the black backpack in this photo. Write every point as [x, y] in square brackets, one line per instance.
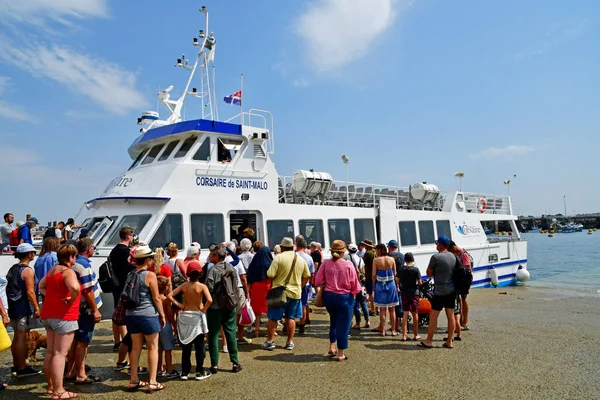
[460, 276]
[131, 292]
[50, 233]
[13, 291]
[227, 291]
[106, 277]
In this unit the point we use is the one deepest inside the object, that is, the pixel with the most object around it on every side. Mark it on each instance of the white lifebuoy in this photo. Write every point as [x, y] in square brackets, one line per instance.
[482, 205]
[493, 277]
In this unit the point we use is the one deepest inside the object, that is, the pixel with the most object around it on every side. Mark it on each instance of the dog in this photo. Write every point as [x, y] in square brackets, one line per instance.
[35, 341]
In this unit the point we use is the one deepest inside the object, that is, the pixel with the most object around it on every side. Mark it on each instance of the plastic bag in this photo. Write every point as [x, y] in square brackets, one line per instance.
[4, 338]
[247, 316]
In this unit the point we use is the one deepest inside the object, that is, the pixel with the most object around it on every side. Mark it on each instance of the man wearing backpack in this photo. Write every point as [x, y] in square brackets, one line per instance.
[5, 229]
[465, 259]
[221, 280]
[290, 271]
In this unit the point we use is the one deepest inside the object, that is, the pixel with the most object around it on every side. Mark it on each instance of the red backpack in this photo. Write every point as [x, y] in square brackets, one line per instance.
[14, 237]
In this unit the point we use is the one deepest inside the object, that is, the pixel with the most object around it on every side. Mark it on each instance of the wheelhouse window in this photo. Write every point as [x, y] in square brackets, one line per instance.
[364, 229]
[426, 232]
[443, 228]
[339, 229]
[138, 159]
[170, 147]
[137, 222]
[312, 230]
[152, 154]
[95, 229]
[278, 229]
[185, 147]
[203, 153]
[207, 229]
[408, 233]
[169, 231]
[228, 148]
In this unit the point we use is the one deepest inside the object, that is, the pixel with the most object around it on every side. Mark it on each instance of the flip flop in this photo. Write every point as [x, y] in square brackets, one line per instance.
[89, 380]
[457, 338]
[330, 354]
[70, 395]
[133, 386]
[446, 346]
[417, 338]
[403, 339]
[395, 333]
[423, 345]
[341, 359]
[157, 387]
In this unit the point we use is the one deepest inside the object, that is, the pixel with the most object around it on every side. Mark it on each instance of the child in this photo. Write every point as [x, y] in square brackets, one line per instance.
[410, 279]
[166, 340]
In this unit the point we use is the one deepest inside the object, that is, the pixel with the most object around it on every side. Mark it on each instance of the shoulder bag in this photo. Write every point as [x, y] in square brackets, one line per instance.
[276, 296]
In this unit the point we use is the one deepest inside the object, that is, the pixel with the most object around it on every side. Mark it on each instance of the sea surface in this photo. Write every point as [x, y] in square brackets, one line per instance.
[565, 261]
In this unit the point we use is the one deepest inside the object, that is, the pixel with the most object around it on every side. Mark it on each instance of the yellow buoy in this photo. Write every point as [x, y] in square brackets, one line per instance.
[503, 233]
[496, 233]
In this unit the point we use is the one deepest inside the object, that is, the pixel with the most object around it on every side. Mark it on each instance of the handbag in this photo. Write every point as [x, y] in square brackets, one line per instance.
[4, 338]
[247, 316]
[319, 300]
[276, 296]
[118, 316]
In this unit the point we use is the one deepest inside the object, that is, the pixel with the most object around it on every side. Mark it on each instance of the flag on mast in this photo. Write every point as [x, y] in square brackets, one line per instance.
[235, 99]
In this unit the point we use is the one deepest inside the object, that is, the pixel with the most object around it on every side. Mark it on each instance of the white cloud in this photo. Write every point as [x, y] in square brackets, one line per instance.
[338, 32]
[106, 83]
[559, 34]
[36, 11]
[507, 152]
[11, 110]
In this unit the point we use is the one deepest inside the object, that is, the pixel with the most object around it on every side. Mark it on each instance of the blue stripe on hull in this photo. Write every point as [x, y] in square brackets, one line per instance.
[503, 280]
[195, 125]
[503, 264]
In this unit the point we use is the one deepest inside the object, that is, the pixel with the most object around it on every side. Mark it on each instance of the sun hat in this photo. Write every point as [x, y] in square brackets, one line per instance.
[445, 240]
[392, 243]
[193, 266]
[287, 242]
[352, 247]
[338, 246]
[143, 252]
[25, 248]
[20, 223]
[368, 243]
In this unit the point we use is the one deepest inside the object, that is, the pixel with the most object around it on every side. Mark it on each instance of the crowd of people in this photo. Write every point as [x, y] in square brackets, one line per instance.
[163, 301]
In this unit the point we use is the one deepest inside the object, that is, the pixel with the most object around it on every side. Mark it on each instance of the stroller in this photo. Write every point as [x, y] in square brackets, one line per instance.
[425, 294]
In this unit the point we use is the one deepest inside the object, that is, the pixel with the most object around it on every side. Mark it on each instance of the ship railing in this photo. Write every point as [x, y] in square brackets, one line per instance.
[353, 194]
[487, 203]
[265, 119]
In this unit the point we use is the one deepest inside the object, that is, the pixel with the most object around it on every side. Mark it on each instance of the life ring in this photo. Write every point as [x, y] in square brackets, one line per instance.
[482, 205]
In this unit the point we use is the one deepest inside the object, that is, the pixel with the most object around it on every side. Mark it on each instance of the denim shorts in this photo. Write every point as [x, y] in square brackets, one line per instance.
[166, 341]
[291, 310]
[85, 333]
[305, 293]
[138, 324]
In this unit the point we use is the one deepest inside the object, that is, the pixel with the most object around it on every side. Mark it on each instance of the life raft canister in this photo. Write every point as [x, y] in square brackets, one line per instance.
[482, 205]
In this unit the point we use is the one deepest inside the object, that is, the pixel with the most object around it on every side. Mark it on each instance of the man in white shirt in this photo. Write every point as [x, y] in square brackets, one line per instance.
[5, 230]
[301, 251]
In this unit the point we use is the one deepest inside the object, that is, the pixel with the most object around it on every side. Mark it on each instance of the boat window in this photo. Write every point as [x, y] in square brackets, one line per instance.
[170, 147]
[185, 147]
[92, 226]
[426, 232]
[207, 229]
[339, 229]
[364, 229]
[408, 233]
[170, 230]
[277, 230]
[152, 154]
[312, 230]
[137, 222]
[138, 159]
[443, 228]
[228, 148]
[203, 153]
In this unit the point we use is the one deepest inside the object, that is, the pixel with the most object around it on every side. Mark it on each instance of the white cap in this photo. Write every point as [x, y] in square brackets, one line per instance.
[25, 248]
[192, 251]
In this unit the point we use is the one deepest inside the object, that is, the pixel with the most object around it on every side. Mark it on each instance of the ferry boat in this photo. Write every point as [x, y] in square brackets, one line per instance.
[205, 180]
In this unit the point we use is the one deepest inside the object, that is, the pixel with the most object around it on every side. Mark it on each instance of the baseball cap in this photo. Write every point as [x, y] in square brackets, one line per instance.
[84, 231]
[33, 219]
[352, 247]
[393, 243]
[443, 240]
[25, 248]
[192, 251]
[193, 266]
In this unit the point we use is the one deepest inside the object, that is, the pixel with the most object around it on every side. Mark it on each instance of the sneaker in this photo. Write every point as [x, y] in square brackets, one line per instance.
[225, 349]
[200, 376]
[161, 374]
[116, 347]
[214, 370]
[301, 329]
[289, 346]
[122, 366]
[183, 377]
[28, 371]
[250, 330]
[172, 374]
[244, 340]
[236, 368]
[268, 345]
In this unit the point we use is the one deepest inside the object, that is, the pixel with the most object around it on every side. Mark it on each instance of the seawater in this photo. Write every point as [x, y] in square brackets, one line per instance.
[565, 261]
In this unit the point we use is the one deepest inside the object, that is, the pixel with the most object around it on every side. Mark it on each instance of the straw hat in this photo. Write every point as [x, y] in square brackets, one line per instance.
[368, 243]
[143, 252]
[338, 246]
[287, 242]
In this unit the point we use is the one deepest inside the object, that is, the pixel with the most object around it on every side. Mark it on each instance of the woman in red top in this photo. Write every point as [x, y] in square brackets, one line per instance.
[60, 313]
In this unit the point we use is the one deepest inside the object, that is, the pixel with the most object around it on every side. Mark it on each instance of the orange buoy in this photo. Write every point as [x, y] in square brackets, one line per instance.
[424, 306]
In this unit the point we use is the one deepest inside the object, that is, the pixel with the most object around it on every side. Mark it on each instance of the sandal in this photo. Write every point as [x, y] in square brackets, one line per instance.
[133, 386]
[356, 327]
[394, 333]
[331, 354]
[88, 380]
[341, 359]
[425, 346]
[70, 395]
[447, 346]
[417, 338]
[157, 387]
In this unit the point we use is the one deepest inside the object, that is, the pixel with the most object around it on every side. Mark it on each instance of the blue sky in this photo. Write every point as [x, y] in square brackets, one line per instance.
[410, 90]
